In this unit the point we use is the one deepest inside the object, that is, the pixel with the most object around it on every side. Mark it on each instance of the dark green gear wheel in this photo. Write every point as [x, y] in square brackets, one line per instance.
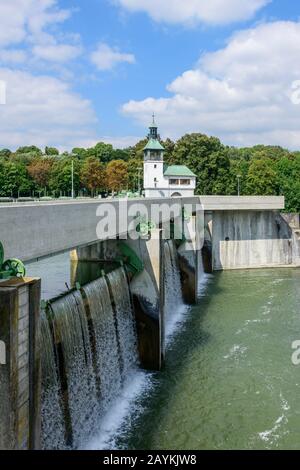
[15, 267]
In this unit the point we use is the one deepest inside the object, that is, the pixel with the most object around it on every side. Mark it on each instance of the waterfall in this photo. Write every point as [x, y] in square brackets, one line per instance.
[89, 352]
[76, 367]
[106, 342]
[173, 305]
[52, 421]
[125, 320]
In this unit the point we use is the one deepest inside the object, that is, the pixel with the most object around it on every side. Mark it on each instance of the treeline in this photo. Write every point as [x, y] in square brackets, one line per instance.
[262, 170]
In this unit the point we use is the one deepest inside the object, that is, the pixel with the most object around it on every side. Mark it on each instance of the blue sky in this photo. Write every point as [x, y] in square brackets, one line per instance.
[77, 72]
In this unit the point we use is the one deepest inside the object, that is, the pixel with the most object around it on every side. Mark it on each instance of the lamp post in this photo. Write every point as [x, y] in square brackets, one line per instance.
[239, 184]
[139, 180]
[72, 175]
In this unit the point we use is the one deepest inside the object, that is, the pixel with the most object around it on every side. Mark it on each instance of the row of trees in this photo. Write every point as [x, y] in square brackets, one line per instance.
[262, 170]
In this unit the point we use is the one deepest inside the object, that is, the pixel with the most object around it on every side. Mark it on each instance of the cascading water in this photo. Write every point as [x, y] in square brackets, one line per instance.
[52, 421]
[174, 305]
[76, 367]
[90, 358]
[90, 352]
[125, 320]
[106, 341]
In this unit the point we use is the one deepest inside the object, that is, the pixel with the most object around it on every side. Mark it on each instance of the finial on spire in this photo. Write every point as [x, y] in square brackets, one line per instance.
[153, 129]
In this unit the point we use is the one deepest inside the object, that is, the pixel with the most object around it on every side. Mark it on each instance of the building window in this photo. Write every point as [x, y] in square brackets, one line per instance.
[154, 155]
[175, 182]
[186, 182]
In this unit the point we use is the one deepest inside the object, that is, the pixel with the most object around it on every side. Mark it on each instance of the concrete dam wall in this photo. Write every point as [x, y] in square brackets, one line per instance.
[252, 239]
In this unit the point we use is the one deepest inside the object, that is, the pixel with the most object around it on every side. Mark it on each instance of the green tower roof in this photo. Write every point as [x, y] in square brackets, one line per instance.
[153, 144]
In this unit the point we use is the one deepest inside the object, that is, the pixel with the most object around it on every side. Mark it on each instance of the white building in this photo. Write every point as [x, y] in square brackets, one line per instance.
[161, 180]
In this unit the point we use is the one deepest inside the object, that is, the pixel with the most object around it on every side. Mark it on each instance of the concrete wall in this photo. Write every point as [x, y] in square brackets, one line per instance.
[250, 239]
[20, 375]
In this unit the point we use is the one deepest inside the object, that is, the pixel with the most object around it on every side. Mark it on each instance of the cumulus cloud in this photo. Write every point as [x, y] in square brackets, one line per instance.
[13, 56]
[196, 11]
[59, 53]
[106, 57]
[43, 110]
[25, 22]
[241, 93]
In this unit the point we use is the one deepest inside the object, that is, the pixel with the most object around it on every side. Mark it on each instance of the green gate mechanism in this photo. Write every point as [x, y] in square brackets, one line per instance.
[10, 268]
[130, 259]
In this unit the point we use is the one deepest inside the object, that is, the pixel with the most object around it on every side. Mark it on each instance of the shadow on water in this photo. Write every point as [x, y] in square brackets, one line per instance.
[189, 337]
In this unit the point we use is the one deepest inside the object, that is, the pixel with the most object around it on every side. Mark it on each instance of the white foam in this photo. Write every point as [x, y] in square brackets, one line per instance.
[114, 421]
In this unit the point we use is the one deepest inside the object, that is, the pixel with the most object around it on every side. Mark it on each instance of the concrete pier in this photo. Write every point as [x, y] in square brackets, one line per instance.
[20, 371]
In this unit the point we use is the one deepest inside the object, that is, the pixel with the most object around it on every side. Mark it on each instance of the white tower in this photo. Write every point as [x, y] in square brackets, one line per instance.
[154, 180]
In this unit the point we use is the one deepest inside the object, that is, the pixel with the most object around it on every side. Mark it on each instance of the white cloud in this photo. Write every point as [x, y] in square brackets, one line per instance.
[106, 57]
[196, 11]
[241, 93]
[14, 56]
[42, 110]
[119, 142]
[26, 22]
[58, 53]
[21, 18]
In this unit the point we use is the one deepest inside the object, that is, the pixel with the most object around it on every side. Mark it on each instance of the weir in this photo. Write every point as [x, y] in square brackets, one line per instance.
[91, 351]
[118, 315]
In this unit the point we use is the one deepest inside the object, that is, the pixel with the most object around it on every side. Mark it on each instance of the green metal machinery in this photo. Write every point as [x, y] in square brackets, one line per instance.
[11, 267]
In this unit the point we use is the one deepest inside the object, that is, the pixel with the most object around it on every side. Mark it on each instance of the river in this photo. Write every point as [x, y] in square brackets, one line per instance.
[228, 380]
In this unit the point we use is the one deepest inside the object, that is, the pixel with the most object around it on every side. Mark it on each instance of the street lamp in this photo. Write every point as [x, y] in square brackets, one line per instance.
[239, 184]
[139, 180]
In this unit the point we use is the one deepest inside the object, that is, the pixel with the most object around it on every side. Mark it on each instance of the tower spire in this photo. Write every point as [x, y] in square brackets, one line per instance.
[153, 129]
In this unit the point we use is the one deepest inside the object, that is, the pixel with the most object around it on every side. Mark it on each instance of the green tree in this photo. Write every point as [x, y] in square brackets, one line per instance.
[51, 151]
[261, 178]
[30, 149]
[135, 174]
[137, 151]
[288, 177]
[61, 176]
[5, 153]
[104, 152]
[169, 147]
[15, 180]
[208, 159]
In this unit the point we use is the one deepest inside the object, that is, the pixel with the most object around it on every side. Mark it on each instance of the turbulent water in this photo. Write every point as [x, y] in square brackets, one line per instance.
[229, 382]
[174, 306]
[76, 364]
[107, 360]
[124, 320]
[89, 354]
[53, 434]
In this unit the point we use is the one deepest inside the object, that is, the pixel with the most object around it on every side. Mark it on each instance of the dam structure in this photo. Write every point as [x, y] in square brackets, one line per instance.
[69, 357]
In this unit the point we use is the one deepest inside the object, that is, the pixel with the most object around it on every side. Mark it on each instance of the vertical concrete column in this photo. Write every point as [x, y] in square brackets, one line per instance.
[188, 261]
[20, 368]
[147, 289]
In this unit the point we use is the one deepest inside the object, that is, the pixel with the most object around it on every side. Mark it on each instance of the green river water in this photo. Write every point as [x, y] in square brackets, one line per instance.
[229, 382]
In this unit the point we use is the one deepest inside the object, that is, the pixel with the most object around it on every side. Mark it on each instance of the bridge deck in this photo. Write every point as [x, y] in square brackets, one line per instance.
[32, 230]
